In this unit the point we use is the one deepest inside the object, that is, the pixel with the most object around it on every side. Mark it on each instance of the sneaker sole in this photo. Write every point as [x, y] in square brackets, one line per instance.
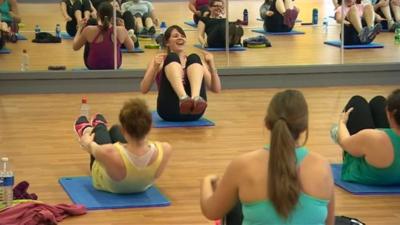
[199, 107]
[185, 107]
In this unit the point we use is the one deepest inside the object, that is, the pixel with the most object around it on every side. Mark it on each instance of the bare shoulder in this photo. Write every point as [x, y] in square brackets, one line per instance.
[247, 160]
[166, 147]
[316, 162]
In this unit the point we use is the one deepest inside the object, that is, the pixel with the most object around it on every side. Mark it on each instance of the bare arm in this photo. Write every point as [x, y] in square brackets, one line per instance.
[128, 42]
[167, 154]
[154, 18]
[63, 8]
[201, 33]
[217, 201]
[335, 4]
[211, 76]
[80, 37]
[192, 6]
[151, 72]
[14, 11]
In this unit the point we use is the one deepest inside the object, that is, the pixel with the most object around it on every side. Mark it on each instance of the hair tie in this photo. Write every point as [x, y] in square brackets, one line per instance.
[283, 118]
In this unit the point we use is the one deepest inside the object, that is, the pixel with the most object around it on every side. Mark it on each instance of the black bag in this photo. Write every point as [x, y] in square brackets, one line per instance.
[344, 220]
[45, 37]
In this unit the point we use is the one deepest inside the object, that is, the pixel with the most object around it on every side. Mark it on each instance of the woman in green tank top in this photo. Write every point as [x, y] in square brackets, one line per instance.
[369, 133]
[284, 184]
[9, 12]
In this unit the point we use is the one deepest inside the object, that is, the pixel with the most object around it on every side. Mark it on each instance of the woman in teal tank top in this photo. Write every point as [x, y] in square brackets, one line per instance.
[9, 12]
[369, 133]
[281, 184]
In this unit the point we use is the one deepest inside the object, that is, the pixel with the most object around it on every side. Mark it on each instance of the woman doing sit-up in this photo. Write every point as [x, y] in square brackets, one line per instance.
[181, 79]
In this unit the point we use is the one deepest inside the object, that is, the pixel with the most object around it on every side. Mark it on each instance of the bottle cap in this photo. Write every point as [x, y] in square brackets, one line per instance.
[163, 24]
[4, 159]
[84, 99]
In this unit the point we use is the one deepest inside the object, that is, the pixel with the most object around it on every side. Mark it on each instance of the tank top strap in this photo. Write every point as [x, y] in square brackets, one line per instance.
[300, 152]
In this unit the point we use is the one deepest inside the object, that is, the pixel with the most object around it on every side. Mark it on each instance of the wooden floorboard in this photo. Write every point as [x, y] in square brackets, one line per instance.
[305, 49]
[36, 133]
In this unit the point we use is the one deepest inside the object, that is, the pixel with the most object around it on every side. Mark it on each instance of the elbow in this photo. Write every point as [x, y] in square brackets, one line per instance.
[75, 48]
[209, 214]
[217, 90]
[143, 89]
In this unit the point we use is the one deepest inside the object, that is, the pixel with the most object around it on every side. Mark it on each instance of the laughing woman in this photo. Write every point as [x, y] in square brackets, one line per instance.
[181, 79]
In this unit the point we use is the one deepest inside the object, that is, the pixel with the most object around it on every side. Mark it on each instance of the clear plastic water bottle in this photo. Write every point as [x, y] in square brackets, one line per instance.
[397, 36]
[245, 17]
[315, 16]
[37, 29]
[325, 24]
[6, 183]
[58, 31]
[334, 133]
[24, 60]
[85, 108]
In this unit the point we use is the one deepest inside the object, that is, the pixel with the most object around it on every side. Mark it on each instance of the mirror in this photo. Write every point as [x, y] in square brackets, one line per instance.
[298, 49]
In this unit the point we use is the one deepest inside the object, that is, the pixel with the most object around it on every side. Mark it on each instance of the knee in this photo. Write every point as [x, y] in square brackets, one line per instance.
[357, 100]
[192, 59]
[368, 7]
[171, 57]
[378, 100]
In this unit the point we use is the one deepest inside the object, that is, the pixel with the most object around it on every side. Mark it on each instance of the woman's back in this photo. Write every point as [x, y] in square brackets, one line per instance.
[101, 43]
[316, 189]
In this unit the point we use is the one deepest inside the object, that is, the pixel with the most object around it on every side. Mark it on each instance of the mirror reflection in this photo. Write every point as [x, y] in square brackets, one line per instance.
[42, 34]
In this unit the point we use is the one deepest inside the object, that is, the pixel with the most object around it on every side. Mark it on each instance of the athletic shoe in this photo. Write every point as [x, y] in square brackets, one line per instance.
[374, 31]
[333, 132]
[363, 35]
[98, 119]
[185, 105]
[395, 26]
[80, 125]
[290, 16]
[152, 30]
[199, 105]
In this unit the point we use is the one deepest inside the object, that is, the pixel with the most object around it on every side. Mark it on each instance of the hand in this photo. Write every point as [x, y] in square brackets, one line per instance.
[208, 57]
[159, 59]
[86, 139]
[198, 13]
[269, 13]
[120, 22]
[344, 116]
[213, 179]
[346, 22]
[82, 23]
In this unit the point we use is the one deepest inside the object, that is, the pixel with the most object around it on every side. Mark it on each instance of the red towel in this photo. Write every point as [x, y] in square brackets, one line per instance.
[34, 213]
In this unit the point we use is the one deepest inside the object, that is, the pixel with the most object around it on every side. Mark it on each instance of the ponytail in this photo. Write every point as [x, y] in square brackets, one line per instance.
[283, 181]
[106, 24]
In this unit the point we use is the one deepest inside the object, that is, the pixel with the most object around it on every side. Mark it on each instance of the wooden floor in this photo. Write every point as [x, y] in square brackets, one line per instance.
[305, 49]
[36, 134]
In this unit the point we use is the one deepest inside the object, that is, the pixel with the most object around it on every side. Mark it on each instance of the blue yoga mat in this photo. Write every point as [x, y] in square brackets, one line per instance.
[297, 21]
[5, 51]
[338, 43]
[21, 37]
[191, 23]
[81, 191]
[135, 50]
[66, 36]
[292, 32]
[160, 123]
[361, 189]
[235, 48]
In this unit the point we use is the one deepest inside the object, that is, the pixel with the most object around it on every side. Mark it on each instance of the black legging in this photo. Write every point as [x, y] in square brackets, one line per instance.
[76, 6]
[275, 23]
[167, 100]
[103, 136]
[128, 20]
[366, 115]
[2, 39]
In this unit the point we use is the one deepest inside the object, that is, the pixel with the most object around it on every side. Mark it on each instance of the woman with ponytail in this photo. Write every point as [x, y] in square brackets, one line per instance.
[99, 40]
[283, 183]
[369, 133]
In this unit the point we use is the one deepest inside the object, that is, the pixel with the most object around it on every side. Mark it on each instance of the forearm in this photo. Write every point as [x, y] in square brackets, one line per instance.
[148, 79]
[202, 40]
[192, 8]
[343, 132]
[206, 192]
[64, 10]
[215, 80]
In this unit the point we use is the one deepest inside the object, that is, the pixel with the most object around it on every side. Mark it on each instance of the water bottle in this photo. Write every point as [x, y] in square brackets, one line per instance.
[37, 29]
[24, 60]
[6, 184]
[58, 31]
[85, 107]
[334, 133]
[315, 16]
[397, 36]
[325, 24]
[245, 17]
[163, 27]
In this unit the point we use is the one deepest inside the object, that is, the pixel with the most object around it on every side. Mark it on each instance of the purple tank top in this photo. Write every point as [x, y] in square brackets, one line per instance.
[200, 3]
[101, 54]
